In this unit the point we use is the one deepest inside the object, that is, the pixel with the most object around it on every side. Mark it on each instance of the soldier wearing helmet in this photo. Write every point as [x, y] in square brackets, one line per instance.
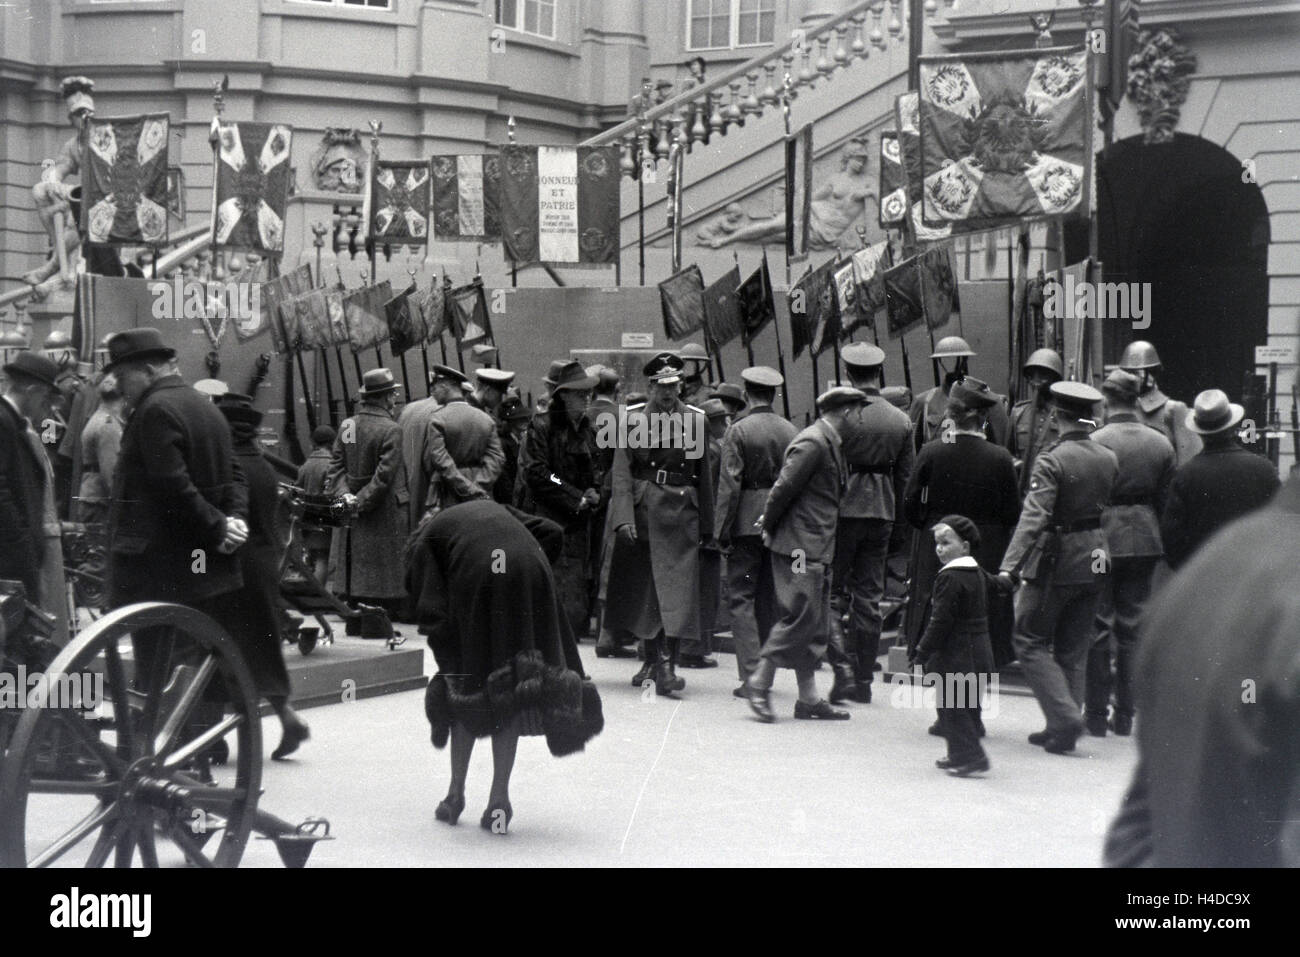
[695, 391]
[928, 408]
[1154, 407]
[1032, 428]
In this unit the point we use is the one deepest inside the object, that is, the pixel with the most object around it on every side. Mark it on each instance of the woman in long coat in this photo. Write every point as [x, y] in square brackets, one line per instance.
[507, 660]
[961, 472]
[367, 465]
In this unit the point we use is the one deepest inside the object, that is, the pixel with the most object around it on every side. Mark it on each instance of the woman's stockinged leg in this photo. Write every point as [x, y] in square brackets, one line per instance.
[462, 746]
[504, 745]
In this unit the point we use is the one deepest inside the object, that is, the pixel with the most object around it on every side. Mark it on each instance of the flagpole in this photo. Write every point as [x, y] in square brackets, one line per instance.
[902, 335]
[319, 230]
[862, 240]
[749, 343]
[776, 328]
[372, 241]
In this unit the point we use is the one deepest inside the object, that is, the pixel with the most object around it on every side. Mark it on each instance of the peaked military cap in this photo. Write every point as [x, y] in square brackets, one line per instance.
[863, 354]
[1075, 398]
[665, 369]
[498, 378]
[764, 376]
[447, 372]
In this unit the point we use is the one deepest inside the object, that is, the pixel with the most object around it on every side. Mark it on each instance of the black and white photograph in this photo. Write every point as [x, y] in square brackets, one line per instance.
[484, 435]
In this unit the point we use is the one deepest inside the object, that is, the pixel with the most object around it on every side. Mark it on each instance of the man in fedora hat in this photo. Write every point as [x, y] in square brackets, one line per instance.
[1058, 551]
[563, 482]
[366, 471]
[798, 525]
[29, 524]
[1132, 526]
[1219, 484]
[753, 449]
[462, 454]
[177, 489]
[662, 510]
[731, 396]
[878, 455]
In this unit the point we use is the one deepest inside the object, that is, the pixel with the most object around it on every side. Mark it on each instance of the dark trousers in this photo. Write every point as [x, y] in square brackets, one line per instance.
[960, 727]
[570, 571]
[801, 634]
[750, 600]
[861, 550]
[1053, 632]
[1124, 593]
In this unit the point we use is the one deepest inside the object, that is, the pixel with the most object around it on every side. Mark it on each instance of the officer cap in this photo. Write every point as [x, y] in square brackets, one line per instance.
[1075, 398]
[863, 355]
[212, 388]
[839, 397]
[482, 352]
[441, 372]
[973, 394]
[1047, 359]
[497, 378]
[764, 376]
[951, 347]
[1138, 355]
[238, 408]
[1122, 385]
[665, 369]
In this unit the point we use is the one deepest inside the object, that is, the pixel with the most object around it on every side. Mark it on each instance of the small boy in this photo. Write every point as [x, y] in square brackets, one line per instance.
[312, 480]
[955, 646]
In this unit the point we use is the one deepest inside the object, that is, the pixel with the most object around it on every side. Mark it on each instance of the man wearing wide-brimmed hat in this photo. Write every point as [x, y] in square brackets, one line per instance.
[366, 470]
[1220, 483]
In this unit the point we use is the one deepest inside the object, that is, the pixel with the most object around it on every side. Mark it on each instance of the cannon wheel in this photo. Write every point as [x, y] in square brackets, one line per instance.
[80, 788]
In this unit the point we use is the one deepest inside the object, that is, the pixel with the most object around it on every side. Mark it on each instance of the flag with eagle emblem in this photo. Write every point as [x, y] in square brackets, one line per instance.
[399, 205]
[124, 180]
[1005, 137]
[252, 185]
[906, 112]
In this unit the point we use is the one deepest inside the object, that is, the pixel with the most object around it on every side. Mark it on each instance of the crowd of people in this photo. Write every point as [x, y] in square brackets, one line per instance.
[652, 523]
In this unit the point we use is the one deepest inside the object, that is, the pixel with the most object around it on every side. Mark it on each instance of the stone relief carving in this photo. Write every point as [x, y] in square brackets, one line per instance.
[339, 163]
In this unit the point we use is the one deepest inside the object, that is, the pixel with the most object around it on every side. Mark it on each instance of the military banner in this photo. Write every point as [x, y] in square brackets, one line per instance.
[433, 310]
[812, 307]
[252, 185]
[124, 180]
[922, 289]
[405, 321]
[869, 266]
[682, 298]
[1004, 137]
[467, 198]
[363, 311]
[757, 306]
[467, 309]
[722, 317]
[909, 148]
[798, 191]
[560, 204]
[281, 288]
[893, 186]
[400, 202]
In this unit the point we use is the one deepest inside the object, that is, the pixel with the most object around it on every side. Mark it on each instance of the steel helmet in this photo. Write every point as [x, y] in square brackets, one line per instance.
[1138, 355]
[58, 340]
[952, 347]
[1046, 359]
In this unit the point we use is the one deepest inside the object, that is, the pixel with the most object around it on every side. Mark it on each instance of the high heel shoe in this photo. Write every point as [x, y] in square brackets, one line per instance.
[292, 736]
[492, 821]
[449, 809]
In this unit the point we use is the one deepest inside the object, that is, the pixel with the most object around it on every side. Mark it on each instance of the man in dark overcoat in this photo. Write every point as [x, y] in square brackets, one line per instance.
[366, 470]
[1058, 551]
[753, 449]
[1220, 483]
[662, 509]
[799, 524]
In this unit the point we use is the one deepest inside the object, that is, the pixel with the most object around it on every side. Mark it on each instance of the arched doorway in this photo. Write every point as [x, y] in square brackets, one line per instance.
[1179, 216]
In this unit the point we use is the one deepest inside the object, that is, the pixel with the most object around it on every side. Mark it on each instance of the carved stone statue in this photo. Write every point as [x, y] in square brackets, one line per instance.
[339, 163]
[838, 204]
[56, 192]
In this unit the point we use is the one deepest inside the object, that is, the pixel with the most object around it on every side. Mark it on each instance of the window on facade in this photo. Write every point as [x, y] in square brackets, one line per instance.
[369, 4]
[718, 24]
[528, 16]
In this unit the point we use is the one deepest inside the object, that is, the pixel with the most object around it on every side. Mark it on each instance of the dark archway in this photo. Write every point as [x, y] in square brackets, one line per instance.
[1180, 216]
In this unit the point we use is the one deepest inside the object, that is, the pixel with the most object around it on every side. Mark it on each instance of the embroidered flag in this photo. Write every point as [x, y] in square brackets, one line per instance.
[433, 309]
[846, 295]
[363, 310]
[252, 174]
[909, 146]
[560, 203]
[467, 198]
[306, 321]
[826, 323]
[400, 203]
[124, 180]
[812, 305]
[469, 315]
[922, 289]
[1005, 137]
[869, 276]
[722, 308]
[893, 185]
[757, 307]
[798, 192]
[682, 298]
[405, 321]
[267, 318]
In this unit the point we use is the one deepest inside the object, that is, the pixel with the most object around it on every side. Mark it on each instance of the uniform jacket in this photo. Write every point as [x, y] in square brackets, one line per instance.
[1218, 776]
[956, 638]
[752, 451]
[930, 408]
[462, 454]
[1169, 416]
[601, 407]
[878, 455]
[1030, 430]
[1146, 467]
[1071, 483]
[561, 465]
[803, 508]
[1220, 484]
[22, 502]
[101, 441]
[370, 467]
[413, 420]
[176, 481]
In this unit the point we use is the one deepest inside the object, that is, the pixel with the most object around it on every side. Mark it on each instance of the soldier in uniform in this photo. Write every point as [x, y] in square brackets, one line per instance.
[928, 408]
[695, 391]
[753, 449]
[604, 408]
[1154, 407]
[799, 524]
[563, 484]
[1146, 467]
[662, 507]
[712, 611]
[492, 387]
[462, 453]
[1030, 429]
[877, 448]
[512, 425]
[413, 421]
[1058, 552]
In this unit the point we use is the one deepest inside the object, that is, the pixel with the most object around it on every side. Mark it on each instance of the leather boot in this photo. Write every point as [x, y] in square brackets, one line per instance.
[647, 669]
[844, 688]
[666, 680]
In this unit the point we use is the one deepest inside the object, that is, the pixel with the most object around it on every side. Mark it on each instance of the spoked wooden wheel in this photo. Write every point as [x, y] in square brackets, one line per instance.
[110, 766]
